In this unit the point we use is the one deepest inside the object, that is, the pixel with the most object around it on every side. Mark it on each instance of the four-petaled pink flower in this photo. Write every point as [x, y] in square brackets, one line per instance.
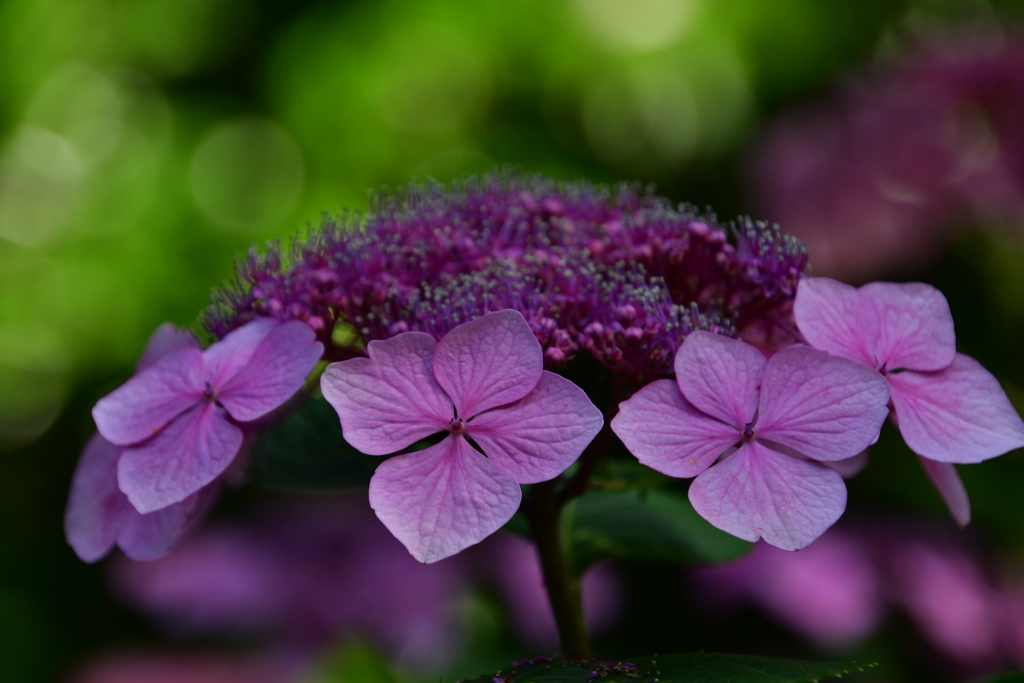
[947, 406]
[175, 416]
[98, 515]
[483, 381]
[773, 419]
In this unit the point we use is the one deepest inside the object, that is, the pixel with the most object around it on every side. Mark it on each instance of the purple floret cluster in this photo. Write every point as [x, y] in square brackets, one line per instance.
[618, 272]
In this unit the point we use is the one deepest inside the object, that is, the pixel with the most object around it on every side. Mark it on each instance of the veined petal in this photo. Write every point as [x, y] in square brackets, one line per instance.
[488, 362]
[538, 437]
[836, 317]
[915, 326]
[140, 407]
[823, 407]
[95, 505]
[226, 357]
[276, 370]
[720, 376]
[949, 485]
[668, 434]
[391, 399]
[759, 493]
[186, 456]
[165, 339]
[959, 414]
[443, 499]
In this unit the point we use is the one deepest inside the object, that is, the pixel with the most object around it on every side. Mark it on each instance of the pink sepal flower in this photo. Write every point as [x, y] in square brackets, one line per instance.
[947, 406]
[783, 417]
[175, 415]
[99, 516]
[483, 381]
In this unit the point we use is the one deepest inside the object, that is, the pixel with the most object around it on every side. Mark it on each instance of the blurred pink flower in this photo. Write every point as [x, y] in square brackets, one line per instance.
[304, 576]
[785, 415]
[485, 381]
[831, 592]
[877, 177]
[177, 668]
[515, 565]
[836, 592]
[946, 593]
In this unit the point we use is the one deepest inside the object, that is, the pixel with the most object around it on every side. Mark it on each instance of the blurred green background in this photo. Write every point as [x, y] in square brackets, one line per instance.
[143, 143]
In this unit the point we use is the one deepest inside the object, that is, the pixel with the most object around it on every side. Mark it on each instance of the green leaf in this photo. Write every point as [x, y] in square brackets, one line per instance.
[1006, 678]
[307, 452]
[657, 525]
[354, 661]
[693, 667]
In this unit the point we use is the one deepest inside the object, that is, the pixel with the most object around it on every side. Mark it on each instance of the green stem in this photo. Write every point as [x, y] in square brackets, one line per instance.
[563, 588]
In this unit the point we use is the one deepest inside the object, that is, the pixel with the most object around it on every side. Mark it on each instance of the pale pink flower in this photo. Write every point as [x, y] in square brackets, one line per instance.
[947, 594]
[176, 417]
[783, 417]
[483, 381]
[831, 593]
[947, 406]
[98, 515]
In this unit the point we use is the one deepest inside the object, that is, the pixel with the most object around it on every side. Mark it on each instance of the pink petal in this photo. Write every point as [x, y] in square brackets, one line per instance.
[95, 505]
[186, 456]
[959, 414]
[226, 357]
[443, 499]
[391, 399]
[99, 515]
[538, 437]
[915, 326]
[835, 317]
[277, 368]
[667, 434]
[140, 407]
[720, 376]
[165, 339]
[949, 485]
[758, 493]
[850, 467]
[147, 537]
[824, 408]
[488, 362]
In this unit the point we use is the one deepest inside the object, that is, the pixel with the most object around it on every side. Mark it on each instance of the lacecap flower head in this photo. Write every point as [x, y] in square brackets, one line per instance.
[755, 433]
[484, 384]
[619, 272]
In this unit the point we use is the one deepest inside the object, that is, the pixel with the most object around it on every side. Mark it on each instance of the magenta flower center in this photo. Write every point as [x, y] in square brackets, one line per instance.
[457, 425]
[208, 392]
[748, 431]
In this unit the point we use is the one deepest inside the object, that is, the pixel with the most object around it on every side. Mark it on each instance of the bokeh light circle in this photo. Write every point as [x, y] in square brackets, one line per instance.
[247, 174]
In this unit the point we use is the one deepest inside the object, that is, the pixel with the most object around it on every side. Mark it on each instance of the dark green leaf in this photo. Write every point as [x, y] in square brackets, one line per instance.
[657, 525]
[307, 452]
[1006, 678]
[693, 667]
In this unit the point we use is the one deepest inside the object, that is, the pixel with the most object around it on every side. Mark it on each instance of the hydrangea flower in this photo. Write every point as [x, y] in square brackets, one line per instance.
[948, 408]
[98, 515]
[776, 420]
[176, 417]
[484, 381]
[567, 255]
